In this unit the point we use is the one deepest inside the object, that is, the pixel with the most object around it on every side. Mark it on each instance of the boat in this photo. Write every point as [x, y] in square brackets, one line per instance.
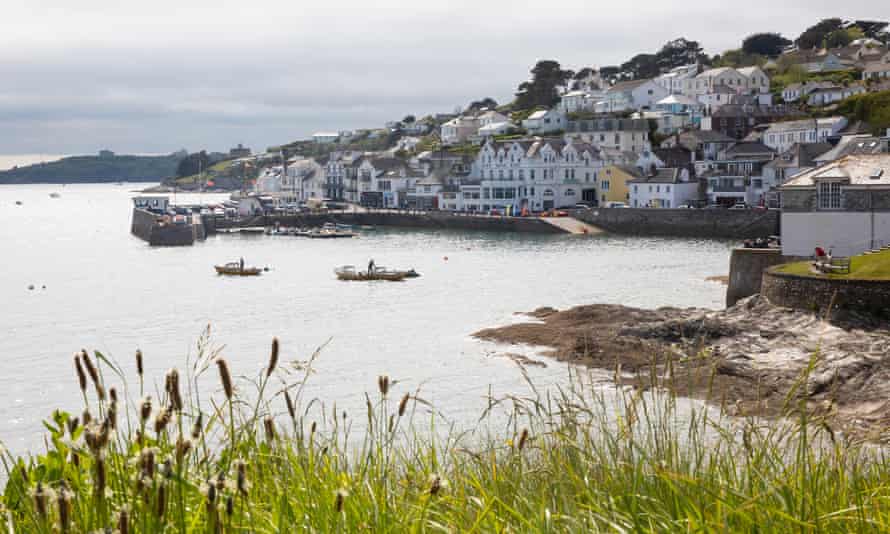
[367, 228]
[18, 202]
[234, 269]
[345, 227]
[54, 195]
[328, 233]
[348, 272]
[410, 273]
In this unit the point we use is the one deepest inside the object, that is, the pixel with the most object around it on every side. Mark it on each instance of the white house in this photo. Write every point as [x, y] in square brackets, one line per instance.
[545, 121]
[842, 207]
[664, 188]
[631, 95]
[780, 136]
[325, 137]
[674, 80]
[495, 128]
[458, 130]
[530, 174]
[576, 101]
[716, 97]
[836, 93]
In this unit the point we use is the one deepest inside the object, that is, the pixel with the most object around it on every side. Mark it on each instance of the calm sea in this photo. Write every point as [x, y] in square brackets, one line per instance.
[98, 287]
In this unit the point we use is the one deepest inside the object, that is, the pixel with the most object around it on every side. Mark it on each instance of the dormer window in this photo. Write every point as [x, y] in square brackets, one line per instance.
[829, 195]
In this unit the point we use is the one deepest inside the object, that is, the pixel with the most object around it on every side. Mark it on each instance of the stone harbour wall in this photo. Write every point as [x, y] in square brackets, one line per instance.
[818, 294]
[704, 223]
[432, 219]
[746, 267]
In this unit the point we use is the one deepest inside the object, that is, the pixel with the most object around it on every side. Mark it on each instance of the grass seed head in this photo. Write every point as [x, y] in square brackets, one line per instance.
[172, 387]
[340, 500]
[198, 426]
[41, 496]
[522, 439]
[161, 500]
[383, 384]
[403, 404]
[73, 423]
[63, 502]
[123, 520]
[225, 377]
[269, 425]
[161, 421]
[81, 375]
[273, 358]
[139, 369]
[145, 409]
[241, 477]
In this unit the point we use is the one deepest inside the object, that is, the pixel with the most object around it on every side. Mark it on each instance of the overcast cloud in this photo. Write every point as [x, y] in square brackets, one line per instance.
[77, 76]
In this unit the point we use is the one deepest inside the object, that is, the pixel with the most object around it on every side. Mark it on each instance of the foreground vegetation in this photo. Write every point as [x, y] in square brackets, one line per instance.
[257, 456]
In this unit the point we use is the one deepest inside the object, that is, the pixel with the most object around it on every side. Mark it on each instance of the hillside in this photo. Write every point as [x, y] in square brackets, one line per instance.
[95, 169]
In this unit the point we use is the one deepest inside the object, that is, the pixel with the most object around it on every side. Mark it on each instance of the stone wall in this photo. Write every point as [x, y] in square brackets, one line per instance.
[818, 294]
[407, 220]
[746, 267]
[705, 223]
[146, 227]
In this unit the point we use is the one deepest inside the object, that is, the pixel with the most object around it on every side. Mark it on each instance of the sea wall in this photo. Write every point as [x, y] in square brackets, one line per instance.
[746, 267]
[145, 226]
[818, 294]
[705, 223]
[431, 219]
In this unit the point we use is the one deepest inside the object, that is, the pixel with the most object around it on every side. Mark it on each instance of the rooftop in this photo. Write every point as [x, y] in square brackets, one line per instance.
[856, 170]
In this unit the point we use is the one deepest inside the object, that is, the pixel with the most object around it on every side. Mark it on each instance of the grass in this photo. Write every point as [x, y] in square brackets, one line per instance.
[864, 267]
[256, 456]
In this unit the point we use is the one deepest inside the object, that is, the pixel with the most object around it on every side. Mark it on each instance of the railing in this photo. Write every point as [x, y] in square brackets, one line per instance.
[727, 188]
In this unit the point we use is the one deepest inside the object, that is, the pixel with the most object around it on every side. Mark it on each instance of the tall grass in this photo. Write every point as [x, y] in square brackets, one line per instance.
[251, 458]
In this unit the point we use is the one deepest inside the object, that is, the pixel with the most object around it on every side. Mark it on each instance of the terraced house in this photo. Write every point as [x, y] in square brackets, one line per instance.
[531, 174]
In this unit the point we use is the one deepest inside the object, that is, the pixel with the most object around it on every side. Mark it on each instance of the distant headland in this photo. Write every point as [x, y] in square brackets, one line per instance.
[106, 166]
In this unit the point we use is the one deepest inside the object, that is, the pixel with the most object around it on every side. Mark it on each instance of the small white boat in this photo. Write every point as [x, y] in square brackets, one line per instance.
[54, 195]
[348, 272]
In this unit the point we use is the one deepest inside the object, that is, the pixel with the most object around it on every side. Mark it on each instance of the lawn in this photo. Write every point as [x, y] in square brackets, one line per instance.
[870, 267]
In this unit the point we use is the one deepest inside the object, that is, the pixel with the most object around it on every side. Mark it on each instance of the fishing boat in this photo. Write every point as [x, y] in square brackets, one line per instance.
[18, 202]
[54, 195]
[328, 233]
[410, 273]
[234, 269]
[348, 272]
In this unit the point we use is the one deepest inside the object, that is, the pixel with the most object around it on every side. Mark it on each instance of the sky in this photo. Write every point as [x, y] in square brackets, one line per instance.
[154, 77]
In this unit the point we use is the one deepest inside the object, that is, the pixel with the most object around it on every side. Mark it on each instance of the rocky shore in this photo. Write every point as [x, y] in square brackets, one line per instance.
[753, 358]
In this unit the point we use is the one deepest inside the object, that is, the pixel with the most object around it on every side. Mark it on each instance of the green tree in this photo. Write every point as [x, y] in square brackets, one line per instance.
[485, 103]
[765, 44]
[543, 88]
[409, 119]
[193, 164]
[815, 36]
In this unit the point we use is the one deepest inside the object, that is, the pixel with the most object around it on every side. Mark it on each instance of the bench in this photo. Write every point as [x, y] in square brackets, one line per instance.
[834, 266]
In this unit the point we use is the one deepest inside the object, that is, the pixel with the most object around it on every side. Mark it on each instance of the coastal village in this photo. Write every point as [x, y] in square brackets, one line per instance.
[693, 137]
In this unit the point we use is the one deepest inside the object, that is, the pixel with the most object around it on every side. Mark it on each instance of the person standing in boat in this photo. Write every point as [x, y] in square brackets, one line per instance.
[371, 266]
[241, 264]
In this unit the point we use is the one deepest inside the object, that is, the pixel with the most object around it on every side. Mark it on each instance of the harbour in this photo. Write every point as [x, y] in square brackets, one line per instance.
[124, 295]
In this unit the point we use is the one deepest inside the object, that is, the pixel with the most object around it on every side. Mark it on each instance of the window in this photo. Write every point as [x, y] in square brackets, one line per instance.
[570, 192]
[531, 174]
[829, 195]
[605, 185]
[667, 189]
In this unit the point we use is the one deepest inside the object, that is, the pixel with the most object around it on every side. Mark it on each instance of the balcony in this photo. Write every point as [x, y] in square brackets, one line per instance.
[719, 188]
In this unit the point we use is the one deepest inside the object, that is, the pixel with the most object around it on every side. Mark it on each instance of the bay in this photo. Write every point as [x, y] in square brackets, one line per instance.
[98, 287]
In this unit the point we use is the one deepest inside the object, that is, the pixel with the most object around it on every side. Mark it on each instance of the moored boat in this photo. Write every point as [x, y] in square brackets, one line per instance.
[348, 272]
[236, 269]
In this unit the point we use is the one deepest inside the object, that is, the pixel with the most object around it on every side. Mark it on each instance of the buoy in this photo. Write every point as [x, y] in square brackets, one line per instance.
[43, 287]
[445, 258]
[266, 269]
[31, 287]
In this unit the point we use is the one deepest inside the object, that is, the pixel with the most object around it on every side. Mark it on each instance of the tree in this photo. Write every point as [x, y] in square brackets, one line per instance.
[765, 44]
[814, 36]
[485, 103]
[409, 119]
[543, 88]
[193, 164]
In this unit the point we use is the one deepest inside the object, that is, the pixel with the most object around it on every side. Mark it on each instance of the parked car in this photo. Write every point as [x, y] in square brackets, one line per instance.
[582, 206]
[616, 205]
[739, 206]
[686, 207]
